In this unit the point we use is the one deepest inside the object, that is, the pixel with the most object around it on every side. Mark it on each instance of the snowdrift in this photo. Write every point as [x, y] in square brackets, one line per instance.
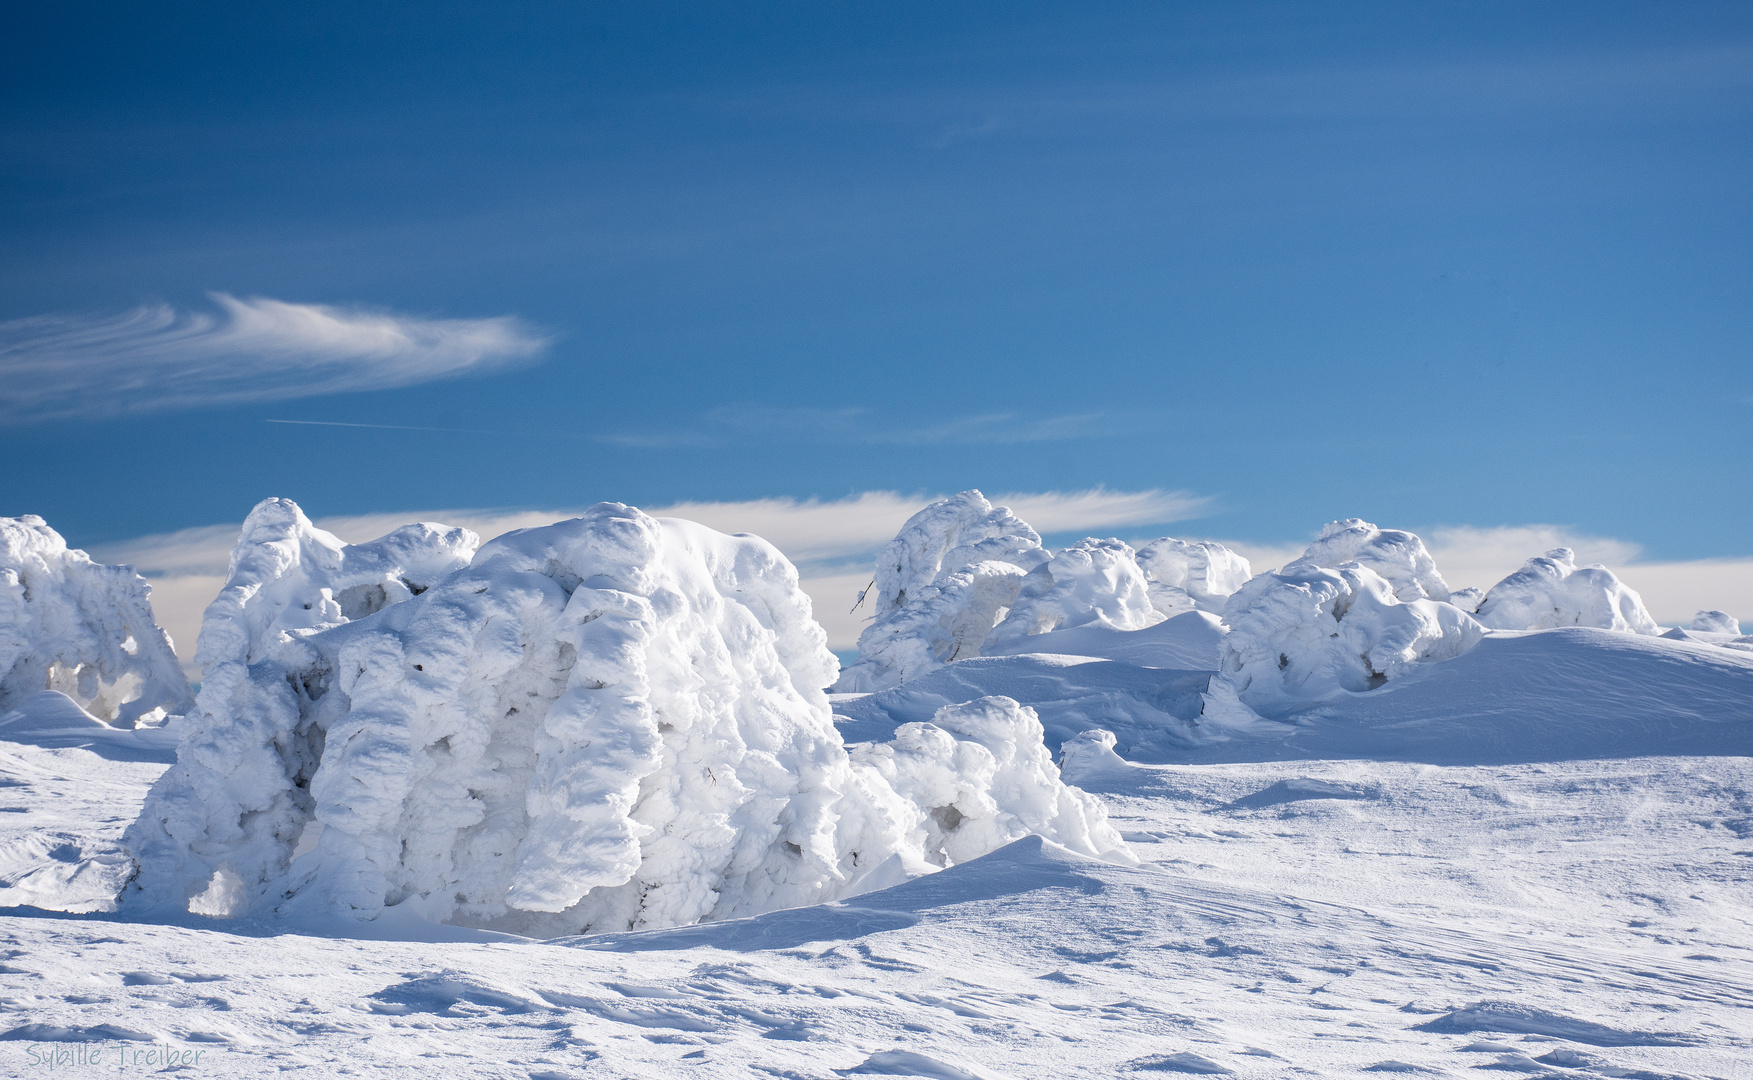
[613, 722]
[79, 627]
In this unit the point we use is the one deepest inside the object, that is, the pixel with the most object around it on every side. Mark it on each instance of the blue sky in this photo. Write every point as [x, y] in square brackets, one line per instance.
[1466, 265]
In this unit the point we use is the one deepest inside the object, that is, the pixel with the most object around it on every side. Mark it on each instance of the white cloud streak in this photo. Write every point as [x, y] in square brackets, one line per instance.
[155, 357]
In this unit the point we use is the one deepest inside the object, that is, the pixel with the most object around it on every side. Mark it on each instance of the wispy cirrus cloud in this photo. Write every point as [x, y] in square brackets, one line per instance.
[157, 357]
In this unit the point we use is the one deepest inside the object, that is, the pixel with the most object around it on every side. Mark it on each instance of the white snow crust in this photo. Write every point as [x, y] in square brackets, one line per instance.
[1191, 576]
[82, 628]
[613, 722]
[1550, 591]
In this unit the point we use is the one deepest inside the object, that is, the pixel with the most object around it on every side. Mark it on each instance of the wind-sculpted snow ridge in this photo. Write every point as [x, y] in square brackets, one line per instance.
[613, 722]
[82, 628]
[1396, 555]
[1307, 633]
[1091, 583]
[288, 577]
[1550, 591]
[1187, 576]
[941, 585]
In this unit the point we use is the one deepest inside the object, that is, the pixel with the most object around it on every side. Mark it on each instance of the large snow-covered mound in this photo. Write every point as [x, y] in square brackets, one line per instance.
[609, 723]
[1189, 576]
[1398, 556]
[1306, 633]
[1550, 591]
[288, 577]
[965, 579]
[82, 628]
[1091, 583]
[941, 585]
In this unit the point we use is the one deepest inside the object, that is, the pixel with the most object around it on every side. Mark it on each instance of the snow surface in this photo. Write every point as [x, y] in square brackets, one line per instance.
[1450, 847]
[82, 628]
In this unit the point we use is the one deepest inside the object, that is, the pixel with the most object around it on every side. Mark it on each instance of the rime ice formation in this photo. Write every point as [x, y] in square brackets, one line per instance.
[82, 628]
[1550, 590]
[288, 577]
[982, 777]
[1091, 583]
[1398, 556]
[941, 585]
[1306, 633]
[612, 722]
[1187, 576]
[1716, 622]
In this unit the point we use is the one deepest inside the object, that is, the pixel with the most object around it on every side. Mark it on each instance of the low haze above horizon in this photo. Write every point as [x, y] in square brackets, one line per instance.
[1483, 270]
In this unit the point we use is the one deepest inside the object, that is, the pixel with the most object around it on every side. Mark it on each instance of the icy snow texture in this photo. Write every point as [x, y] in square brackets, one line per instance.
[612, 722]
[1398, 556]
[941, 584]
[1307, 633]
[1187, 576]
[1716, 622]
[1091, 583]
[288, 577]
[982, 777]
[1550, 591]
[82, 628]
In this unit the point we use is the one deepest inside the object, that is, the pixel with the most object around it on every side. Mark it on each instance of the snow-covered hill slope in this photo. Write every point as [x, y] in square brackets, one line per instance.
[1587, 918]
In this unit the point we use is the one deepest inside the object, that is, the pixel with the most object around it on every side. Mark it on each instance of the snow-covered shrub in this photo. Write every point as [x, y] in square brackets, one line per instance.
[288, 577]
[982, 777]
[1716, 622]
[81, 628]
[941, 584]
[1396, 555]
[1550, 590]
[1188, 576]
[608, 723]
[1306, 632]
[1467, 599]
[1092, 582]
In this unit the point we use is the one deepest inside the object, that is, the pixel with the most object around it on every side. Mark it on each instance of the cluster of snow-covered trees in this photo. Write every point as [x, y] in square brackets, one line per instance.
[622, 721]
